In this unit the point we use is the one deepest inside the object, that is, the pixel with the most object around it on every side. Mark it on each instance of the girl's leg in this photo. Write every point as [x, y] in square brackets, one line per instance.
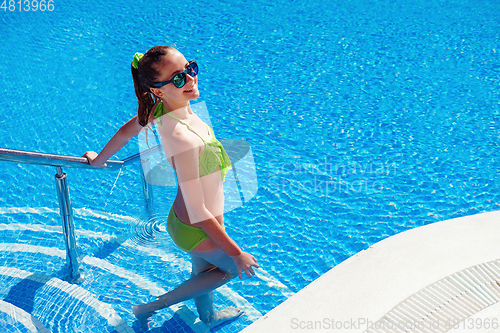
[205, 303]
[197, 285]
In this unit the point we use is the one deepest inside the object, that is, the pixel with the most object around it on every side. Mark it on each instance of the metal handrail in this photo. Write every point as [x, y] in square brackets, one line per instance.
[31, 157]
[75, 275]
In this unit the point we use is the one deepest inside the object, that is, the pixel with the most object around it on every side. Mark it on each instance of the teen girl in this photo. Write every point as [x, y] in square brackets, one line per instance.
[165, 83]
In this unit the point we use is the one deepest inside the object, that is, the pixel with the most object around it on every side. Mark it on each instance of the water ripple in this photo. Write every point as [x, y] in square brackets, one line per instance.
[150, 232]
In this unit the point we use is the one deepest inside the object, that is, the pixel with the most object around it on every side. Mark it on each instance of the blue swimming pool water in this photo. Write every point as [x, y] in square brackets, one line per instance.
[365, 118]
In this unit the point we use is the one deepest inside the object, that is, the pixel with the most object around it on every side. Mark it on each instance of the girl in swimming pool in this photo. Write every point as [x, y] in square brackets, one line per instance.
[165, 83]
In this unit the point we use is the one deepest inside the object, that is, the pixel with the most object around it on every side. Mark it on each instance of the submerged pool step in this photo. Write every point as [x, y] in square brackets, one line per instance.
[42, 226]
[58, 305]
[37, 247]
[120, 276]
[14, 319]
[109, 274]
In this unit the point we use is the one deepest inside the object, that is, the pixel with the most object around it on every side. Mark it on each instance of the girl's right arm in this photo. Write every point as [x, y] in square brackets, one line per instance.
[130, 129]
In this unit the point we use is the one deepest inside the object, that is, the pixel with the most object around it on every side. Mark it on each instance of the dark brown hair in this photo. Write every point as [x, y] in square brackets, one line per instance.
[144, 77]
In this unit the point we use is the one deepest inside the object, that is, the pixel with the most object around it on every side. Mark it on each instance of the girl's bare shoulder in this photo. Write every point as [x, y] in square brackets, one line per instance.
[177, 137]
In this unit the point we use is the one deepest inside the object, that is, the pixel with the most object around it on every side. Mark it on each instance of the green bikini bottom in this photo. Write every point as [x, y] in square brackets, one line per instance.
[186, 237]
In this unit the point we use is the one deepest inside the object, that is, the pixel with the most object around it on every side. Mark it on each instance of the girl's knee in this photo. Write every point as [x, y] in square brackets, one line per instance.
[206, 269]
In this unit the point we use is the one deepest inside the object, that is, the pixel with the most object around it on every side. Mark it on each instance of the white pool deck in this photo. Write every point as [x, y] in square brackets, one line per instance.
[365, 287]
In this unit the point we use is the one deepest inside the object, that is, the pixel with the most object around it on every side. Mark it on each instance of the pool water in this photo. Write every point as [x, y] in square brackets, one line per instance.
[365, 119]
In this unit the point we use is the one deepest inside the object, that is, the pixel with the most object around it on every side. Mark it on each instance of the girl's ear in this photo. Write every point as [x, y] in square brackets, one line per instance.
[157, 92]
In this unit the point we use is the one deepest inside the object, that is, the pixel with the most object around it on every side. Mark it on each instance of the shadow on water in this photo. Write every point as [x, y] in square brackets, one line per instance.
[23, 294]
[109, 247]
[174, 324]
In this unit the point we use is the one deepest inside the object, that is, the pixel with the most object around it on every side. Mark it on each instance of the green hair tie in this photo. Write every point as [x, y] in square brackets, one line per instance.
[137, 57]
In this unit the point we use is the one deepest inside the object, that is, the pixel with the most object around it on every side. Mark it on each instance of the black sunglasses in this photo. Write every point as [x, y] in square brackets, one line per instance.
[179, 79]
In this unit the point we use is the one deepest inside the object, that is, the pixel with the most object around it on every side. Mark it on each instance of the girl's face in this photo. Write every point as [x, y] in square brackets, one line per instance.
[172, 64]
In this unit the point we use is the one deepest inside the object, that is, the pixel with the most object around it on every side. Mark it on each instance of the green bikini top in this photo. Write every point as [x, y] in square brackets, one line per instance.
[213, 155]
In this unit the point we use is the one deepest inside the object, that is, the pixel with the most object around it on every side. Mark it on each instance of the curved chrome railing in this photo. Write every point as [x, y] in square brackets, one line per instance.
[31, 157]
[75, 275]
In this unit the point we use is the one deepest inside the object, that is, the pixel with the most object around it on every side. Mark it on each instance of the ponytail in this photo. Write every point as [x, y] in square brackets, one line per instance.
[144, 77]
[146, 99]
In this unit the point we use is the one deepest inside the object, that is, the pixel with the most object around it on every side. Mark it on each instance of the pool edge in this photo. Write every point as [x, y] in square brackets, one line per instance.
[363, 288]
